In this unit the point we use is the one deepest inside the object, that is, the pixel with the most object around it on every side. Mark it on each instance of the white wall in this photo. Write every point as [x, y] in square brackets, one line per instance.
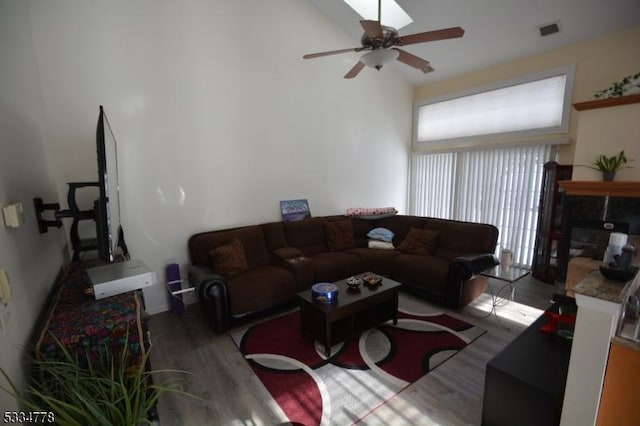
[30, 259]
[217, 117]
[607, 131]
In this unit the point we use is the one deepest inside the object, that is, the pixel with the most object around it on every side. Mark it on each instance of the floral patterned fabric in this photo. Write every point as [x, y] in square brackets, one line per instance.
[360, 211]
[85, 326]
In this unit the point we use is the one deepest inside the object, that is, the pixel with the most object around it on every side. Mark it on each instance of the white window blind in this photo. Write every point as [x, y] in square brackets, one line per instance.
[496, 186]
[537, 104]
[433, 176]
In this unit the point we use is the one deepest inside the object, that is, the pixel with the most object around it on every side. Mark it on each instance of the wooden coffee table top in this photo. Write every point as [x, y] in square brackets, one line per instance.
[347, 297]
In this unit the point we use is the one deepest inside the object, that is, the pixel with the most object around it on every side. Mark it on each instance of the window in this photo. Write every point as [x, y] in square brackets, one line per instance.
[392, 14]
[537, 104]
[500, 186]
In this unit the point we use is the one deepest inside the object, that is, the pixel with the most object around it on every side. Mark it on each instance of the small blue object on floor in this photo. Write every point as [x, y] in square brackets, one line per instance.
[176, 306]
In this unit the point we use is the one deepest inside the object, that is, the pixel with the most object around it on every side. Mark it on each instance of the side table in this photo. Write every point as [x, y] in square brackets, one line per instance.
[509, 275]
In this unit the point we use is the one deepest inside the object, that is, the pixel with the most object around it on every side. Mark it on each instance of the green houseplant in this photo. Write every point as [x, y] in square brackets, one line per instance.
[109, 391]
[610, 165]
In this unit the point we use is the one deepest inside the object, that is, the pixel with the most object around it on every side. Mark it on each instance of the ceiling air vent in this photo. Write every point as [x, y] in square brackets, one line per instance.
[548, 29]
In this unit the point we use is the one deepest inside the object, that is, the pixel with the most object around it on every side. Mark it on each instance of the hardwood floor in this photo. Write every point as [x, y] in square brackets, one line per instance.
[230, 394]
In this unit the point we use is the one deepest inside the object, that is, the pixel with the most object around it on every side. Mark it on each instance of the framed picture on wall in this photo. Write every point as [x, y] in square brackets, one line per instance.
[294, 210]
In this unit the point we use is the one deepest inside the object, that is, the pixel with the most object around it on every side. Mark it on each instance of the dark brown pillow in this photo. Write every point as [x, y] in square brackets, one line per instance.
[339, 235]
[229, 260]
[419, 241]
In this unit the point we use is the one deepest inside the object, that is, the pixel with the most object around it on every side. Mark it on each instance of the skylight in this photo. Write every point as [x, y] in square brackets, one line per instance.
[392, 14]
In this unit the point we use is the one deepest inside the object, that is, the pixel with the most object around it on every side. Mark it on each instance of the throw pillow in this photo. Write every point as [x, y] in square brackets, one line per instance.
[419, 241]
[383, 245]
[381, 234]
[229, 260]
[339, 235]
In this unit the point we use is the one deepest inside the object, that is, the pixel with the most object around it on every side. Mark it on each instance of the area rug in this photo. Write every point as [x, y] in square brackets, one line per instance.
[361, 374]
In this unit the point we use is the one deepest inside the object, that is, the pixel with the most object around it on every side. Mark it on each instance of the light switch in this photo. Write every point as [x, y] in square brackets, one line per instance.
[12, 215]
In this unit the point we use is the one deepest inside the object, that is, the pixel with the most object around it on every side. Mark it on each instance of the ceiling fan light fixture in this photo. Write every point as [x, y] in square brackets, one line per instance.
[379, 57]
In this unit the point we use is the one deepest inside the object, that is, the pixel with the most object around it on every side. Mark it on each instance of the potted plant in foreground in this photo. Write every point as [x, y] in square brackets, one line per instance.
[610, 165]
[107, 392]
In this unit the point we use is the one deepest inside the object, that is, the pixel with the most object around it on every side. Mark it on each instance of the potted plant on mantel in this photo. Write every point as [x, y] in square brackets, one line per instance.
[610, 165]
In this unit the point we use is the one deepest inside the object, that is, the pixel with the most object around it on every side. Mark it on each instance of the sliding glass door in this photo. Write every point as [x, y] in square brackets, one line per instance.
[500, 186]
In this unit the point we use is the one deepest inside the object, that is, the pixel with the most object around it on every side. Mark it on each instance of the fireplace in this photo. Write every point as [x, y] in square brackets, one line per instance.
[590, 238]
[590, 220]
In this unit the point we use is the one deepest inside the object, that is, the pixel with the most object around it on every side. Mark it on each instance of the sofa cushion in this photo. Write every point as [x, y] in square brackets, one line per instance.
[381, 234]
[428, 272]
[258, 288]
[335, 265]
[339, 235]
[251, 237]
[274, 235]
[374, 260]
[307, 235]
[380, 245]
[286, 253]
[228, 260]
[459, 238]
[400, 225]
[420, 242]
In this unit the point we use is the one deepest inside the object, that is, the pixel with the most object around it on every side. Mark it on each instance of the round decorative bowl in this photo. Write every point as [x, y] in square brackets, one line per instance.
[354, 283]
[372, 281]
[617, 274]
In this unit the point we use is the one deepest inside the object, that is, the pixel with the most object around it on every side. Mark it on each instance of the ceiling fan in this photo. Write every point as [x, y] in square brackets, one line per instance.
[380, 41]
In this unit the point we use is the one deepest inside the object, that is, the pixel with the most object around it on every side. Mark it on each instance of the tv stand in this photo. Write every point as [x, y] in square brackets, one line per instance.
[78, 326]
[78, 244]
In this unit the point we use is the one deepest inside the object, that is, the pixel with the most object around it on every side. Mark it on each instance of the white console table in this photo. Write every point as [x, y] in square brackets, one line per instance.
[599, 303]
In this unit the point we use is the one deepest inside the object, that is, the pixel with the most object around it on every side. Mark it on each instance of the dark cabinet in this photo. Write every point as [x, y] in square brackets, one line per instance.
[551, 229]
[525, 382]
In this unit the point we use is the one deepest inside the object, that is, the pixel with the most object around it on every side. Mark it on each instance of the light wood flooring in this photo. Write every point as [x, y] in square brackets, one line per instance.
[230, 394]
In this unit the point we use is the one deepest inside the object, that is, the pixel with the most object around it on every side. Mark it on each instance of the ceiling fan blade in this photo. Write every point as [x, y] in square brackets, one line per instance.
[332, 52]
[355, 70]
[413, 61]
[372, 29]
[444, 34]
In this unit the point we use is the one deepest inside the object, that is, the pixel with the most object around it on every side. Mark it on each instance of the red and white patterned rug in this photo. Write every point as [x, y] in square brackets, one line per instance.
[360, 375]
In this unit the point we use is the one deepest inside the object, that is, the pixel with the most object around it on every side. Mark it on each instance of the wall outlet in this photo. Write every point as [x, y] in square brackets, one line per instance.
[12, 215]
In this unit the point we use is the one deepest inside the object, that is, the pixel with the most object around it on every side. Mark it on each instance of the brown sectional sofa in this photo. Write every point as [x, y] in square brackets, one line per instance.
[283, 258]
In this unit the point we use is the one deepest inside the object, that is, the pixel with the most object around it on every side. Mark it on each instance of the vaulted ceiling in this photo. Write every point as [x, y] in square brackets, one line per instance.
[496, 31]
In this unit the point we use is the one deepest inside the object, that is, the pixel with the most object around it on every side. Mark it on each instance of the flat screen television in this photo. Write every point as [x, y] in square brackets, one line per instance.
[109, 233]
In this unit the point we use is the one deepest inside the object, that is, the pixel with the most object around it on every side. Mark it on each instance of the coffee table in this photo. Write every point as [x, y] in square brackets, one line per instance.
[353, 313]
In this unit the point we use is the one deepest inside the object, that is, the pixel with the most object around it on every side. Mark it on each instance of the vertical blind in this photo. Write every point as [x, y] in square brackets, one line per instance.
[497, 186]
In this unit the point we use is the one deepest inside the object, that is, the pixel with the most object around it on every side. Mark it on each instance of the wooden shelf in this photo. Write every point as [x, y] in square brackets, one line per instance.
[608, 102]
[601, 189]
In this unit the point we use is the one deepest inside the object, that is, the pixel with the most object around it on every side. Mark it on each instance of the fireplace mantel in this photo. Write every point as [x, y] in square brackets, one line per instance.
[601, 189]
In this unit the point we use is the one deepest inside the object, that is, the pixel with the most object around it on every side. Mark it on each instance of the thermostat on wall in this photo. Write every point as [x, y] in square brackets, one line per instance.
[119, 277]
